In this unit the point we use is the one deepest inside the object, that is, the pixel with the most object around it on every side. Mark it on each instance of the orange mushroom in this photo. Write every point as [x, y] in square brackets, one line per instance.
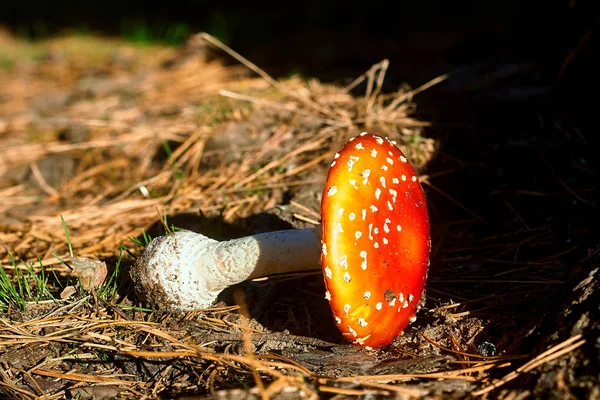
[375, 241]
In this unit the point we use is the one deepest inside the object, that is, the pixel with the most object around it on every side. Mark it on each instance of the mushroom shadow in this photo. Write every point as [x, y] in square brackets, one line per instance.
[295, 304]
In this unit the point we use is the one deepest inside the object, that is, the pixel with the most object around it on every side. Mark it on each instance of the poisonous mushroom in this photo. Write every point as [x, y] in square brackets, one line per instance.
[373, 247]
[376, 242]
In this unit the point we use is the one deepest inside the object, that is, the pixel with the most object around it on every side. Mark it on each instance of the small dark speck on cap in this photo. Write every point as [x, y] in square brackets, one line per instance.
[389, 295]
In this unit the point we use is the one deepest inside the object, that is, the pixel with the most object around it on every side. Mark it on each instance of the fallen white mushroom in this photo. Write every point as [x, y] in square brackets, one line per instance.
[186, 271]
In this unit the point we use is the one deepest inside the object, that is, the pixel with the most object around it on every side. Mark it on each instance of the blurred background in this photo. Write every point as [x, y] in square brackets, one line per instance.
[331, 40]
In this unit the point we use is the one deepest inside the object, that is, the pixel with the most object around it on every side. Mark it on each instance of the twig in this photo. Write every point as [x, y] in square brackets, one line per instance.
[40, 179]
[410, 94]
[426, 182]
[306, 219]
[305, 209]
[217, 43]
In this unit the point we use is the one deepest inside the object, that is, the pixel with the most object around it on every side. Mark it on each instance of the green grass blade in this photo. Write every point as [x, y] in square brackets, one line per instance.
[64, 224]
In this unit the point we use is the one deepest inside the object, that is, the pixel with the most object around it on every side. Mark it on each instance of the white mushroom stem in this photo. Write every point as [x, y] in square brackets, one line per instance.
[186, 271]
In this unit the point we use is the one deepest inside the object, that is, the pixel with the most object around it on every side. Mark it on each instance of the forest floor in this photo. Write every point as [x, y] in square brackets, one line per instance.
[117, 143]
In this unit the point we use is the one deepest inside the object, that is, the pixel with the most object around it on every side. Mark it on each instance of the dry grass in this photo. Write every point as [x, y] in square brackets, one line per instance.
[91, 339]
[117, 185]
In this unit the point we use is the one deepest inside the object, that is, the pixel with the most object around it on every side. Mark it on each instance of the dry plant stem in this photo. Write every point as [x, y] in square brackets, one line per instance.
[186, 271]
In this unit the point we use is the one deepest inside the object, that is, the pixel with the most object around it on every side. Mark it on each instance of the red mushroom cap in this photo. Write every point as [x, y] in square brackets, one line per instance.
[376, 241]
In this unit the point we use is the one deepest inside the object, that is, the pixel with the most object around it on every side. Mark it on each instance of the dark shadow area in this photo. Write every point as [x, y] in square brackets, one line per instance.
[524, 193]
[333, 41]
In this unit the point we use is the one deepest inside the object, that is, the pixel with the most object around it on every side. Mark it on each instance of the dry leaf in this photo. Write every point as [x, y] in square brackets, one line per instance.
[68, 292]
[91, 273]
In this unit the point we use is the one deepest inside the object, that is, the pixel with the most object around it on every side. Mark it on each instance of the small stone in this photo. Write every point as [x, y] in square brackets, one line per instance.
[486, 349]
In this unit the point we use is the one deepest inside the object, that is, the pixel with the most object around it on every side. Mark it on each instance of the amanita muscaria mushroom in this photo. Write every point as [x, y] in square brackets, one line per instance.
[373, 246]
[376, 242]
